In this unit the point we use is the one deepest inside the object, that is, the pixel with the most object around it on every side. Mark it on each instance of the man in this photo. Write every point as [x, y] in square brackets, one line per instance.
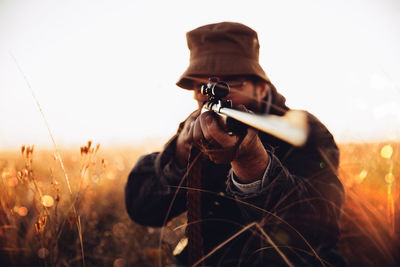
[263, 201]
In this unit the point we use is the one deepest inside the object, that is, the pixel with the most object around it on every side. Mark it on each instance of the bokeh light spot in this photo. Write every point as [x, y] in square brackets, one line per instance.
[389, 178]
[386, 152]
[22, 211]
[282, 237]
[47, 201]
[119, 262]
[110, 175]
[8, 172]
[363, 174]
[43, 253]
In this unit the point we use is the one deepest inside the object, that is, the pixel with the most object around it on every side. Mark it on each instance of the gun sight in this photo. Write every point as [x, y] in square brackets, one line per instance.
[215, 89]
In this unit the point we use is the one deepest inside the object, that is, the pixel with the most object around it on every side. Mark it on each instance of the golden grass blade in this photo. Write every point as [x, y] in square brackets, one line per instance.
[58, 155]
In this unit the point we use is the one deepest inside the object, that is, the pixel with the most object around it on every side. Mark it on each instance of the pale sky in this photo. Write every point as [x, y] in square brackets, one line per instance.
[106, 70]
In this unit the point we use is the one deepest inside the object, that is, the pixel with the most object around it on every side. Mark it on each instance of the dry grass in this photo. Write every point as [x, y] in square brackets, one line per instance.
[46, 222]
[370, 225]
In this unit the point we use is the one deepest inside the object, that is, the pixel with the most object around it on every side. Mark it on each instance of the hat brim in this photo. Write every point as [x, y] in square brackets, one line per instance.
[220, 65]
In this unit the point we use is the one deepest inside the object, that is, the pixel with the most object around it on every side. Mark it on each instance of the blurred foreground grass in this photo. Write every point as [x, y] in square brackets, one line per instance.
[51, 217]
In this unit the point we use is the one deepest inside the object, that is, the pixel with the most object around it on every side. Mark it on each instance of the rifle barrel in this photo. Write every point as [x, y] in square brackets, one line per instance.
[292, 127]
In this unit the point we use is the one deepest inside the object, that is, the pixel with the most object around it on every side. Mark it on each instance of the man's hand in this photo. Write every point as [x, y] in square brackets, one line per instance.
[205, 131]
[185, 140]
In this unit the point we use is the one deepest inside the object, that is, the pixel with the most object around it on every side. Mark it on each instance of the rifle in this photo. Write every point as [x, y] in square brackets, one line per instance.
[292, 127]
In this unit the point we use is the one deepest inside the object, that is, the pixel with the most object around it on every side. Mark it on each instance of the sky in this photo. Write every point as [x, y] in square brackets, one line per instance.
[106, 70]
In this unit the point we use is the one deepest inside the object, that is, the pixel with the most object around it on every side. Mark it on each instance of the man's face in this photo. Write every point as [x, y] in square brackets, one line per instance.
[243, 91]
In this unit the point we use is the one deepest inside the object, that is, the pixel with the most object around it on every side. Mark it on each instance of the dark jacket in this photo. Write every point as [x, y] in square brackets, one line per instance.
[298, 207]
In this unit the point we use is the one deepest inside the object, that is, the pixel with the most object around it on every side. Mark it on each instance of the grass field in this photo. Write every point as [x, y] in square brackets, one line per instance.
[52, 214]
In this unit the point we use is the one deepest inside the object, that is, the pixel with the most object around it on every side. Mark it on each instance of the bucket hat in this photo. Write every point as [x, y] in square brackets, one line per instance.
[222, 49]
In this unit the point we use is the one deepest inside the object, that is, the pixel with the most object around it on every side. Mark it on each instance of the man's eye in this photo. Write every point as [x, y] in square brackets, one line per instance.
[236, 84]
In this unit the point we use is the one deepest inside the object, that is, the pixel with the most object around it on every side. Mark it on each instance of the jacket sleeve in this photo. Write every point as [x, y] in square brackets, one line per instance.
[151, 186]
[301, 191]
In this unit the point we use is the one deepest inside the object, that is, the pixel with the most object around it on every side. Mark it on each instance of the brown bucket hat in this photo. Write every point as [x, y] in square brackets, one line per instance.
[222, 49]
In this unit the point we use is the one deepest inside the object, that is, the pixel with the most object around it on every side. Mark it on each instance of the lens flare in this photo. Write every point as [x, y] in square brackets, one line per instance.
[22, 211]
[363, 174]
[47, 201]
[386, 152]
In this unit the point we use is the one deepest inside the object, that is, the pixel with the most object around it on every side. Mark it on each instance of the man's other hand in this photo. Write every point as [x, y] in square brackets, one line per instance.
[185, 140]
